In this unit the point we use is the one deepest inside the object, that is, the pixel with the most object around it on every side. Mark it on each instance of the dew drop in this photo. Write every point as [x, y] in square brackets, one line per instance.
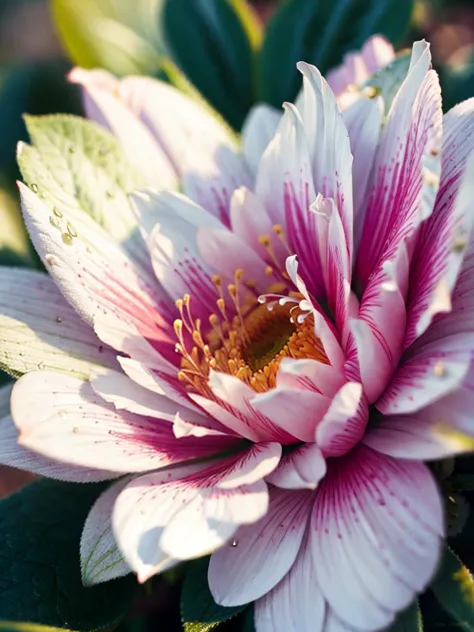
[67, 239]
[71, 230]
[72, 149]
[57, 212]
[34, 188]
[59, 319]
[50, 260]
[75, 429]
[110, 194]
[235, 543]
[54, 221]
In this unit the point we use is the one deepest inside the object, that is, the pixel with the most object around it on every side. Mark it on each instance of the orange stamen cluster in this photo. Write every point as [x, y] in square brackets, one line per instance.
[249, 343]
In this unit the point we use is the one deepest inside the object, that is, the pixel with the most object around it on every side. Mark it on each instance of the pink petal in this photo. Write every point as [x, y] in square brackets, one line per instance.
[363, 120]
[62, 418]
[186, 512]
[420, 437]
[344, 423]
[15, 455]
[101, 559]
[445, 236]
[261, 554]
[93, 272]
[39, 329]
[357, 67]
[329, 146]
[301, 468]
[296, 412]
[407, 166]
[125, 394]
[258, 130]
[430, 371]
[309, 375]
[377, 527]
[102, 105]
[296, 603]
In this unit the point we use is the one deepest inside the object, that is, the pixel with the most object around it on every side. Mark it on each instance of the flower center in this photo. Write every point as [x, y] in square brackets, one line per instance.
[249, 347]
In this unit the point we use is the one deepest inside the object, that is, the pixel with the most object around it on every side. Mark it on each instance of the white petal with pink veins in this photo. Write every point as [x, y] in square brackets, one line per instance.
[185, 129]
[309, 374]
[363, 120]
[258, 130]
[39, 329]
[93, 272]
[444, 237]
[430, 372]
[261, 554]
[118, 389]
[422, 437]
[141, 148]
[296, 604]
[344, 423]
[181, 514]
[62, 418]
[285, 186]
[297, 412]
[405, 175]
[329, 146]
[377, 523]
[15, 455]
[101, 559]
[302, 468]
[258, 461]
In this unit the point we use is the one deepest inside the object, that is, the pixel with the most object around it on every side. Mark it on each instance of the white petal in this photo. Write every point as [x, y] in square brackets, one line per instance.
[258, 130]
[302, 468]
[261, 554]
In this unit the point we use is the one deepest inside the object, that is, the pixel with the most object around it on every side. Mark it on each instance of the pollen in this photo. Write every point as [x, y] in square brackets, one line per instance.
[246, 340]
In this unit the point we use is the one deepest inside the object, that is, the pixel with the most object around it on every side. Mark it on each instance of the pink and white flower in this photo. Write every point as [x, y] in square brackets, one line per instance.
[272, 382]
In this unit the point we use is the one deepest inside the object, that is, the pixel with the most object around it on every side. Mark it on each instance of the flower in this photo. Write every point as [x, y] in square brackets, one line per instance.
[273, 378]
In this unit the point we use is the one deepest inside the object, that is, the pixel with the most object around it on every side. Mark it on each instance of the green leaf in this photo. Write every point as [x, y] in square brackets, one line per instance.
[457, 81]
[199, 611]
[320, 33]
[454, 589]
[212, 41]
[123, 37]
[410, 620]
[388, 80]
[40, 578]
[77, 166]
[13, 626]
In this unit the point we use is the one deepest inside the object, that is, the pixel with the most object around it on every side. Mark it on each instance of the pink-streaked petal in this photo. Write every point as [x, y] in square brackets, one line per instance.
[185, 129]
[378, 523]
[363, 120]
[236, 399]
[334, 255]
[309, 375]
[357, 67]
[285, 186]
[407, 166]
[344, 423]
[141, 148]
[250, 222]
[261, 554]
[430, 372]
[212, 180]
[62, 418]
[125, 394]
[92, 271]
[15, 455]
[258, 130]
[416, 437]
[101, 559]
[181, 514]
[296, 603]
[301, 468]
[296, 412]
[39, 329]
[329, 146]
[445, 236]
[257, 462]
